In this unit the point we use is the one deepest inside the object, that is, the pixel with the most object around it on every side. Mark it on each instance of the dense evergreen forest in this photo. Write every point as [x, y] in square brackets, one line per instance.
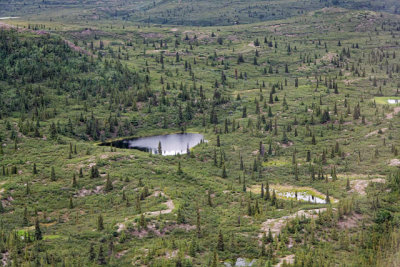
[299, 165]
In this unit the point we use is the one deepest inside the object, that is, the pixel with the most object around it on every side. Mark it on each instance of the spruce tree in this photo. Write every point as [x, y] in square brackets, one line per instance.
[74, 183]
[180, 218]
[224, 174]
[215, 261]
[220, 242]
[28, 190]
[267, 194]
[198, 222]
[53, 174]
[92, 255]
[179, 172]
[273, 199]
[262, 191]
[270, 239]
[101, 258]
[34, 169]
[108, 186]
[71, 204]
[327, 199]
[100, 223]
[159, 148]
[38, 232]
[209, 199]
[25, 219]
[142, 222]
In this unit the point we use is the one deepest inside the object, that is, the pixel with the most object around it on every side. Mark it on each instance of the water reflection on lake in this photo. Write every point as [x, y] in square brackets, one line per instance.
[170, 144]
[394, 101]
[302, 196]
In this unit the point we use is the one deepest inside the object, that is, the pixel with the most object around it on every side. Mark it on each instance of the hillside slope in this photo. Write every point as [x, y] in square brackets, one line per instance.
[182, 12]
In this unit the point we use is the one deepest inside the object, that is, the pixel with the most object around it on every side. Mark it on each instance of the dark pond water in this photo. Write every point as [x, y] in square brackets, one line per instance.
[171, 144]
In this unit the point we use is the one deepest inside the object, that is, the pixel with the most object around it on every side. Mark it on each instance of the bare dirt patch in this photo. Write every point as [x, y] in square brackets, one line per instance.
[232, 38]
[276, 225]
[390, 116]
[359, 186]
[170, 206]
[393, 162]
[6, 26]
[152, 35]
[288, 259]
[87, 192]
[4, 258]
[78, 48]
[289, 144]
[350, 221]
[303, 67]
[328, 56]
[2, 189]
[376, 132]
[121, 253]
[350, 81]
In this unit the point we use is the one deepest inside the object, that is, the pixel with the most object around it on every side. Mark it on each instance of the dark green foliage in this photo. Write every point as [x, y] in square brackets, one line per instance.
[53, 174]
[100, 223]
[108, 187]
[38, 232]
[220, 242]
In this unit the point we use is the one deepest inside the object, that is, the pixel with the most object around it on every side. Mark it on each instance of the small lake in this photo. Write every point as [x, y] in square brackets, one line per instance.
[171, 144]
[3, 18]
[304, 196]
[394, 101]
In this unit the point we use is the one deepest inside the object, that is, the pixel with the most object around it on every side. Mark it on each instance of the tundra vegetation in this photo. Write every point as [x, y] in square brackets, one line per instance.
[300, 167]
